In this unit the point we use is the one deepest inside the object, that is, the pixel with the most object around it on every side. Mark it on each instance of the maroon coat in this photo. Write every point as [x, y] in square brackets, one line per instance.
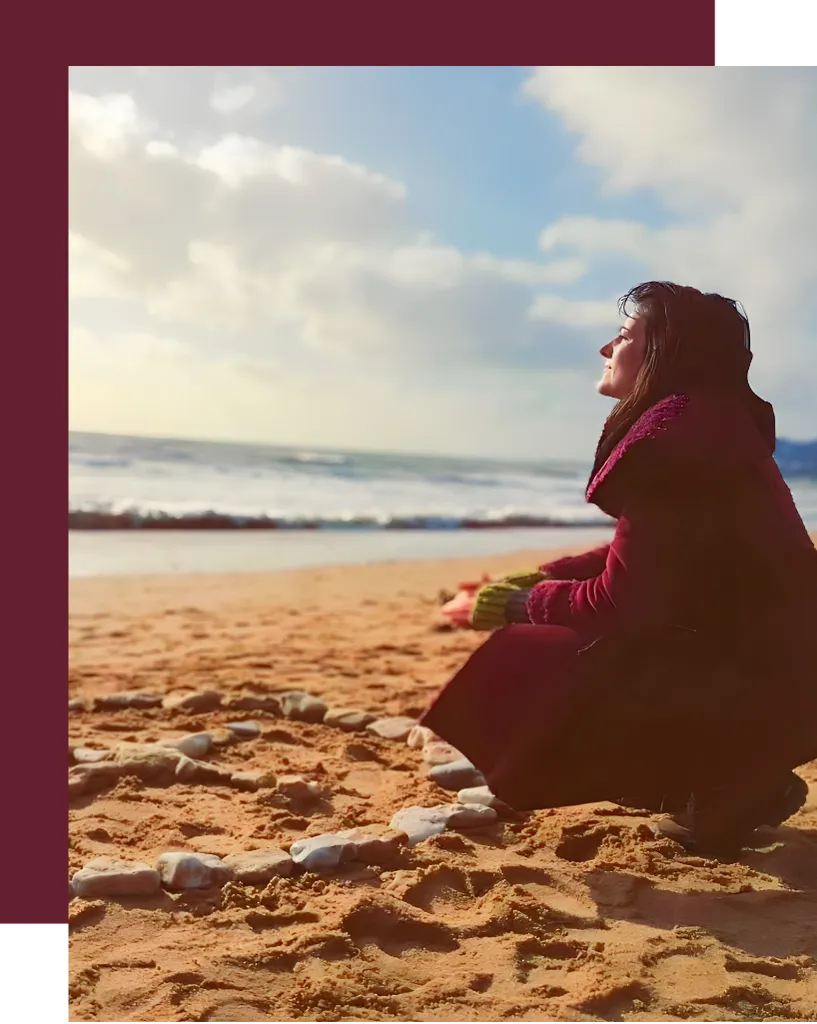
[680, 656]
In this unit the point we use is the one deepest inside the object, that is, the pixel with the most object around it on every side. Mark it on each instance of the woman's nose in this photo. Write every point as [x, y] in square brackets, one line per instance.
[606, 350]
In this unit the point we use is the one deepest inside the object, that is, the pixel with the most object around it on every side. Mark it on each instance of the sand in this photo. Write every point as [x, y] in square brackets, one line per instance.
[576, 914]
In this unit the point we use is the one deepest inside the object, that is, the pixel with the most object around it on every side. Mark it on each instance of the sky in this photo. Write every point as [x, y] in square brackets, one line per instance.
[422, 259]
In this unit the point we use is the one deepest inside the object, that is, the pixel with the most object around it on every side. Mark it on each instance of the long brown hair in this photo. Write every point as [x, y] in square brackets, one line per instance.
[695, 341]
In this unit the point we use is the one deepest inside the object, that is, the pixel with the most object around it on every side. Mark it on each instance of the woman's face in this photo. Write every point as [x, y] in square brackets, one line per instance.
[623, 358]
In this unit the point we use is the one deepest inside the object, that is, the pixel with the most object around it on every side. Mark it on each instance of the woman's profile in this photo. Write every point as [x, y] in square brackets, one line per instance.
[675, 669]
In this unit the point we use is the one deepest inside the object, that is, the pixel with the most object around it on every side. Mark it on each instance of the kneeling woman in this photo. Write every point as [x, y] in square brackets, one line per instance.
[675, 669]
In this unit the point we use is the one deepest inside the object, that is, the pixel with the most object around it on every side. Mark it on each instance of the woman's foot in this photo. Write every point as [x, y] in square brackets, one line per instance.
[720, 823]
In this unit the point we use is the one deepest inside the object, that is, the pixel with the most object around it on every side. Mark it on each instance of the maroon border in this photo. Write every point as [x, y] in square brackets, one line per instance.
[35, 484]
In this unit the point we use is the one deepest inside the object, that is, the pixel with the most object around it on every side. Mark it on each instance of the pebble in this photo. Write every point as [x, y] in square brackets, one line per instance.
[479, 795]
[420, 823]
[86, 755]
[348, 719]
[110, 876]
[296, 787]
[196, 744]
[76, 704]
[324, 852]
[202, 700]
[201, 773]
[302, 707]
[150, 764]
[376, 844]
[244, 730]
[465, 816]
[250, 702]
[458, 774]
[419, 736]
[257, 867]
[128, 699]
[192, 870]
[440, 752]
[395, 728]
[253, 780]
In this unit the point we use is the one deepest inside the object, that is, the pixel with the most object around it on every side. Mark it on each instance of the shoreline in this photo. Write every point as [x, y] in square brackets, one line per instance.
[149, 553]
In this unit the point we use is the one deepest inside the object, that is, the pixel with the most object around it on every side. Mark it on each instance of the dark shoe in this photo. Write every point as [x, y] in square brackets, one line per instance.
[720, 823]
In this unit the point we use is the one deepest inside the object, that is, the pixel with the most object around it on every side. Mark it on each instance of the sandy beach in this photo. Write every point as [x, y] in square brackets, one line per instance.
[577, 914]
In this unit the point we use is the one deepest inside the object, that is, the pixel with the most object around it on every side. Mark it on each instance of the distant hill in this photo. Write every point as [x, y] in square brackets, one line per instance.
[797, 458]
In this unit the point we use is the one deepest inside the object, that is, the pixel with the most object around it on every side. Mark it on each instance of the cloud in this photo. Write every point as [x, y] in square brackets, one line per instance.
[143, 383]
[228, 98]
[248, 88]
[227, 282]
[285, 248]
[189, 101]
[732, 156]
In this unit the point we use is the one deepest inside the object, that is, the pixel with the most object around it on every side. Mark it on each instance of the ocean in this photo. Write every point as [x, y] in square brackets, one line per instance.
[145, 505]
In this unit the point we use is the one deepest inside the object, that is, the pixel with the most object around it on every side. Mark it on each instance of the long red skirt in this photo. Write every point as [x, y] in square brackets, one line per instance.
[636, 716]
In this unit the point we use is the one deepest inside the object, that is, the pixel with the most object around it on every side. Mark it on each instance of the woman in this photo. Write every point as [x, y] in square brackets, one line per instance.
[674, 669]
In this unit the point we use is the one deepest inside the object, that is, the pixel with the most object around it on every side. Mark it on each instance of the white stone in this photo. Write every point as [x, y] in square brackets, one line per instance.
[324, 852]
[195, 744]
[129, 699]
[110, 876]
[440, 752]
[395, 728]
[150, 764]
[202, 700]
[348, 719]
[301, 707]
[465, 816]
[257, 867]
[189, 770]
[420, 823]
[419, 736]
[244, 730]
[180, 871]
[478, 795]
[456, 775]
[375, 844]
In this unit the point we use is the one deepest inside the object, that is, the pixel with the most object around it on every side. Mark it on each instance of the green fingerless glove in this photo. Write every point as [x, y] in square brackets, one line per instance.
[498, 605]
[525, 579]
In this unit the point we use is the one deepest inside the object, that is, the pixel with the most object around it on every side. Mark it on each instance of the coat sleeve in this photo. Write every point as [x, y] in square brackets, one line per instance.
[645, 568]
[578, 567]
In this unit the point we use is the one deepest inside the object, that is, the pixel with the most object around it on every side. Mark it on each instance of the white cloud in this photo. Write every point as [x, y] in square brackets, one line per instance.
[732, 155]
[291, 248]
[576, 312]
[104, 125]
[236, 91]
[137, 382]
[286, 293]
[227, 99]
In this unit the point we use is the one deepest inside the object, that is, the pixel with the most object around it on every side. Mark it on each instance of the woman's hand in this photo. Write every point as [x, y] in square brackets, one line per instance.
[458, 610]
[491, 606]
[487, 608]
